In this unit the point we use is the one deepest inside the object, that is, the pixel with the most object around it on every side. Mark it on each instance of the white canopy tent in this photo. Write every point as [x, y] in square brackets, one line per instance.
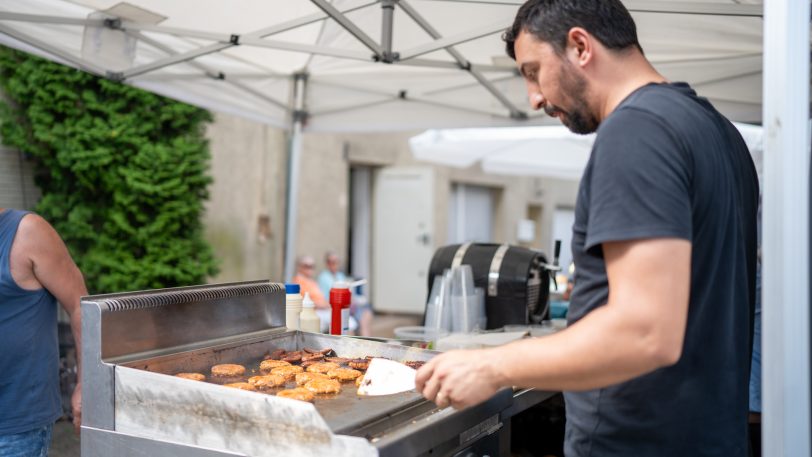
[548, 151]
[366, 65]
[363, 65]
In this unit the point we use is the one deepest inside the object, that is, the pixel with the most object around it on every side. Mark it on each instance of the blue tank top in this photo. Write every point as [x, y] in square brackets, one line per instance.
[29, 348]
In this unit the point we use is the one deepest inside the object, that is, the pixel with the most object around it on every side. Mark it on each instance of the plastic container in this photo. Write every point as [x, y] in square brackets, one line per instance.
[340, 299]
[419, 333]
[293, 306]
[308, 319]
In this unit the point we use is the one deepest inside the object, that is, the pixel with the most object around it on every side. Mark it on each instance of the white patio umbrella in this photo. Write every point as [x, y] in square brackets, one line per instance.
[549, 151]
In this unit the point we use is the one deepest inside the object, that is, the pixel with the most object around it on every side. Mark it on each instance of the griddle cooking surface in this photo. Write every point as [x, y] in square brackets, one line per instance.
[343, 412]
[338, 410]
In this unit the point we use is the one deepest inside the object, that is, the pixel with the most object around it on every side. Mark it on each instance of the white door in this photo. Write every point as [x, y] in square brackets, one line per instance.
[403, 238]
[470, 214]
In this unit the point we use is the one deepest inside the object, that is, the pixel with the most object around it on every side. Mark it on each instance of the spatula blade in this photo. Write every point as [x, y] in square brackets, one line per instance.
[386, 377]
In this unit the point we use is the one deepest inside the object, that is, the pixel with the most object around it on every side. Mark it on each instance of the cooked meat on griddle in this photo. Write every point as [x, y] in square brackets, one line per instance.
[299, 393]
[192, 376]
[266, 381]
[304, 378]
[287, 372]
[414, 363]
[227, 370]
[324, 351]
[293, 357]
[241, 386]
[338, 360]
[309, 362]
[323, 386]
[359, 380]
[344, 374]
[312, 357]
[322, 367]
[277, 354]
[268, 365]
[359, 364]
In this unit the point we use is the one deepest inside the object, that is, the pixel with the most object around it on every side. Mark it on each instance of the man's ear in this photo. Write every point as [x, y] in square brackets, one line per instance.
[580, 46]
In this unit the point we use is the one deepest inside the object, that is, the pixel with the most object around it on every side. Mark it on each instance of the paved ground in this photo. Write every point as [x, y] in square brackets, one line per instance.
[66, 444]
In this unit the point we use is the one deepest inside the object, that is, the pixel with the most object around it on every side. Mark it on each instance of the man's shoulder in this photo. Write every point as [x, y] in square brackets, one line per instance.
[36, 231]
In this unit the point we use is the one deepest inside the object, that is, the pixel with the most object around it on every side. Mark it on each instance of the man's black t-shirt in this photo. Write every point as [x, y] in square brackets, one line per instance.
[666, 164]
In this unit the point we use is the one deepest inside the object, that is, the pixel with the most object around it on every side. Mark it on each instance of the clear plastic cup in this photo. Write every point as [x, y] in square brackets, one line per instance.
[464, 304]
[438, 308]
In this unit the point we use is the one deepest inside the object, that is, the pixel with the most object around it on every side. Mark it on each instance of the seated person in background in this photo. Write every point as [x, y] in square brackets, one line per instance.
[305, 271]
[360, 309]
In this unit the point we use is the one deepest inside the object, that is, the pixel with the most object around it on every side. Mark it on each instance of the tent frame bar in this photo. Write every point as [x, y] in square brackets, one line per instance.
[53, 50]
[349, 26]
[214, 74]
[446, 42]
[387, 19]
[515, 112]
[171, 60]
[649, 6]
[45, 19]
[306, 48]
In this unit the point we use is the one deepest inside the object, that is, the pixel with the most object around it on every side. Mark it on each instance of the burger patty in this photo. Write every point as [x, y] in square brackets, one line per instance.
[323, 386]
[266, 381]
[268, 365]
[241, 386]
[344, 374]
[192, 376]
[288, 372]
[228, 370]
[299, 393]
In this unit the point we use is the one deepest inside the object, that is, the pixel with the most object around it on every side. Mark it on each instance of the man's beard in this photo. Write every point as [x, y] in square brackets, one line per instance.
[578, 119]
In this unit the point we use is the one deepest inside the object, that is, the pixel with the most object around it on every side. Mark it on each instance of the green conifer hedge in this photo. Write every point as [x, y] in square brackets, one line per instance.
[123, 172]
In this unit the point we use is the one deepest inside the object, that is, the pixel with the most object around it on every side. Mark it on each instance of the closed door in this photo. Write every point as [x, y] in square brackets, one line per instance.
[470, 214]
[403, 238]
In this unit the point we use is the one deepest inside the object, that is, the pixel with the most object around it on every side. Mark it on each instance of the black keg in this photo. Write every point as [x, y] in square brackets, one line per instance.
[516, 280]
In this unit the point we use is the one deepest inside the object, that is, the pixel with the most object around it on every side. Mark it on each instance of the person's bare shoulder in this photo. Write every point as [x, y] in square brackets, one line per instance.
[36, 235]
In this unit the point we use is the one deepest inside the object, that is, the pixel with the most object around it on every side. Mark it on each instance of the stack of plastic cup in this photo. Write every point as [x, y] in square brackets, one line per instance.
[465, 308]
[438, 308]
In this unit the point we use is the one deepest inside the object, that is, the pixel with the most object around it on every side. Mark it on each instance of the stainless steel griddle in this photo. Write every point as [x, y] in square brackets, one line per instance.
[133, 404]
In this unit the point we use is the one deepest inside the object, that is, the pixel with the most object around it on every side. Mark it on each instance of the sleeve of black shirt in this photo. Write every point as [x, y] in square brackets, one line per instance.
[640, 182]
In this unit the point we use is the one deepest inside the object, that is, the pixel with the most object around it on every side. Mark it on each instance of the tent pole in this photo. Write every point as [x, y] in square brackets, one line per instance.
[294, 165]
[786, 243]
[388, 16]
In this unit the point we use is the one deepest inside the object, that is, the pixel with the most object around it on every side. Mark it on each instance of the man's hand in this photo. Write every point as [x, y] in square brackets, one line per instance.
[76, 406]
[459, 378]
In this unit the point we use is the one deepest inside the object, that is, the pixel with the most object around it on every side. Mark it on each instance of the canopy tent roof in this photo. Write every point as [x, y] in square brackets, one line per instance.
[550, 151]
[448, 66]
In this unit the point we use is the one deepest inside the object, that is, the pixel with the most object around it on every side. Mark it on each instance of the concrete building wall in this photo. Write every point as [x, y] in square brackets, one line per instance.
[324, 190]
[17, 189]
[245, 214]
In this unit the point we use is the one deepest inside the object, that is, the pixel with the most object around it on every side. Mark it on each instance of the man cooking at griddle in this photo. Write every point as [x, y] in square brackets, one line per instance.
[655, 359]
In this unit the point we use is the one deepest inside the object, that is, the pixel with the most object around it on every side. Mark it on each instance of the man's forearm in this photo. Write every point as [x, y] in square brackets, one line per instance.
[602, 349]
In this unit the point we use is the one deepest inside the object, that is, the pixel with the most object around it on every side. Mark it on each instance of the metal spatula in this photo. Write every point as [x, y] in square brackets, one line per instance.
[386, 377]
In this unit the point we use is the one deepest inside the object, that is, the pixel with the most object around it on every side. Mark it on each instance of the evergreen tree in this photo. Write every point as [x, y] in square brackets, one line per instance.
[123, 172]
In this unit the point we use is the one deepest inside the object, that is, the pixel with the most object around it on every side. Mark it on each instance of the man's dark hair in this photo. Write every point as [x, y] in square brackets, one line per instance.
[551, 20]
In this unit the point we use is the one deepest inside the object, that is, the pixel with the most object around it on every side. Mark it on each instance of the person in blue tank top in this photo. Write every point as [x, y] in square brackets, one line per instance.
[36, 272]
[655, 359]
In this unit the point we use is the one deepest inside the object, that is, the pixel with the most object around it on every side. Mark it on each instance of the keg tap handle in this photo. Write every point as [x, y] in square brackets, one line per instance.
[553, 268]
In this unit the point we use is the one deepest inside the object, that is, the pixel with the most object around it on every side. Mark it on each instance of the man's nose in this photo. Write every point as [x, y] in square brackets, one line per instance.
[537, 100]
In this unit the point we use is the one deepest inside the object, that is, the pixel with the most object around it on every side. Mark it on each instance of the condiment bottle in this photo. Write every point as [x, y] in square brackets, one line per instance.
[340, 299]
[293, 306]
[308, 320]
